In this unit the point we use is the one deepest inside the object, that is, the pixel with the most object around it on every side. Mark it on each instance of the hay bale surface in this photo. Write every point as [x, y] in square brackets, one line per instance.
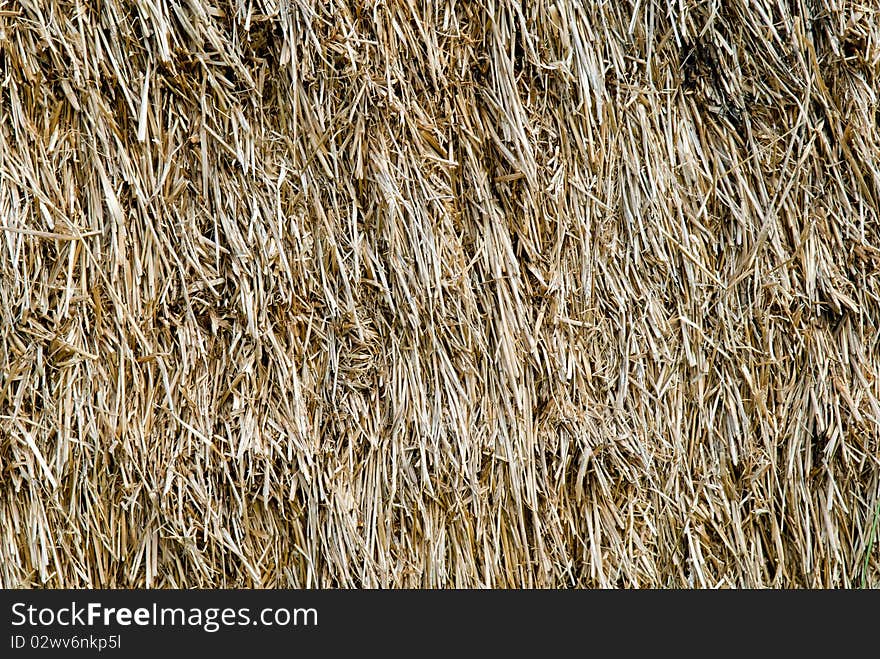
[439, 293]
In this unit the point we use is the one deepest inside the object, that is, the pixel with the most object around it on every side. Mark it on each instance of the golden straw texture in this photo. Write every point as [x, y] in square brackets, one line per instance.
[439, 293]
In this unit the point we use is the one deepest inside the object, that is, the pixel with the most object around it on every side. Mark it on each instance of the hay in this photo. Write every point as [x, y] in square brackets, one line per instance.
[439, 293]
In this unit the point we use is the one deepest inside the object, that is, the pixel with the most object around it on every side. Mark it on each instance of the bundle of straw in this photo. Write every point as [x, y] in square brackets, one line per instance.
[439, 293]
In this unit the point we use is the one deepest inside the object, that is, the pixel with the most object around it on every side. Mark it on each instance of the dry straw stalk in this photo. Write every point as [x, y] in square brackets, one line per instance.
[439, 293]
